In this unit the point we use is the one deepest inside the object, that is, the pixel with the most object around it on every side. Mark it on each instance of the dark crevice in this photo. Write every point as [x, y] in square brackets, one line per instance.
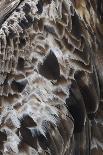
[76, 107]
[19, 86]
[40, 7]
[27, 121]
[76, 26]
[50, 67]
[20, 65]
[88, 92]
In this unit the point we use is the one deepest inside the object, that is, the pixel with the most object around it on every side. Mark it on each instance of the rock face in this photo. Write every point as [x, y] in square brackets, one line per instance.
[51, 77]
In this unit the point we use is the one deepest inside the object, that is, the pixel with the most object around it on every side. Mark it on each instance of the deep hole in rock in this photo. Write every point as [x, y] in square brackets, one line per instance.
[18, 86]
[50, 67]
[20, 65]
[27, 121]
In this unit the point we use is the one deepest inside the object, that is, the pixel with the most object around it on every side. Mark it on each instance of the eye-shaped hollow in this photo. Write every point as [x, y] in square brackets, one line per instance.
[75, 105]
[27, 121]
[50, 67]
[19, 86]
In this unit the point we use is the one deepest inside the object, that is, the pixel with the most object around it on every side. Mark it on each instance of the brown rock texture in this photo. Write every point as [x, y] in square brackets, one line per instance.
[51, 77]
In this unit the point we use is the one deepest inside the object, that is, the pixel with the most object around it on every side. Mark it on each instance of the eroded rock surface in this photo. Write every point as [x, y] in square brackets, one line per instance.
[51, 80]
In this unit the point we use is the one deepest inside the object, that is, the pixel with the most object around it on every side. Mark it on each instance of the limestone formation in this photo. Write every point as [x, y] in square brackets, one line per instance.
[51, 77]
